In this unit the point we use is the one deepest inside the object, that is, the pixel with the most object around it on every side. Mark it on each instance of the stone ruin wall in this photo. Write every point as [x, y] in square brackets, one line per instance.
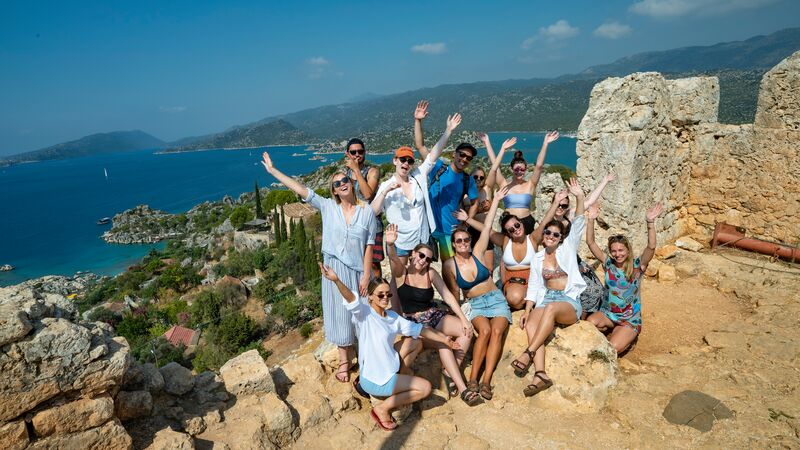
[662, 139]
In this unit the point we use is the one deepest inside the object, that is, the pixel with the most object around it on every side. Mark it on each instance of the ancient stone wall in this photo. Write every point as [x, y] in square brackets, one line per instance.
[662, 139]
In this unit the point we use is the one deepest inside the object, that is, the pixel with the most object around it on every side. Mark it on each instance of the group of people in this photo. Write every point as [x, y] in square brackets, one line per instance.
[437, 210]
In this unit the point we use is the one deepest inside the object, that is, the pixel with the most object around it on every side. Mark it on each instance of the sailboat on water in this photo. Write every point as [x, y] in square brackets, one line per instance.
[105, 171]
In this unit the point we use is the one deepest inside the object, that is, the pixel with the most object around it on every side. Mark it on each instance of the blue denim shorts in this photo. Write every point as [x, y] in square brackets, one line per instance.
[402, 252]
[490, 305]
[552, 296]
[378, 390]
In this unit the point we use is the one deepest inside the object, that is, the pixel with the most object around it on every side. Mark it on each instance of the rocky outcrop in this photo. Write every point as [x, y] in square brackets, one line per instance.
[663, 140]
[57, 375]
[6, 268]
[143, 225]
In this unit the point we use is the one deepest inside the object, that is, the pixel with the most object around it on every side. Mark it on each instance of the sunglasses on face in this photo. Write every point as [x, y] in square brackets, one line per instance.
[465, 240]
[466, 156]
[383, 295]
[563, 205]
[406, 159]
[555, 234]
[513, 228]
[341, 181]
[357, 152]
[478, 177]
[424, 257]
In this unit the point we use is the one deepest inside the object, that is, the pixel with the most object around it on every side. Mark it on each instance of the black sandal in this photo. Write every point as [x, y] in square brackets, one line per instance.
[533, 389]
[485, 390]
[471, 397]
[520, 368]
[452, 389]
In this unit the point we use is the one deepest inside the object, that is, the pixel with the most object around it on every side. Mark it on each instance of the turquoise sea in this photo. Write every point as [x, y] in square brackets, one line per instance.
[49, 210]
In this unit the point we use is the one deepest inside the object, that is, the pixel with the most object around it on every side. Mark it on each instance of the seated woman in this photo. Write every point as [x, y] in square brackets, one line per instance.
[518, 251]
[485, 194]
[377, 356]
[553, 287]
[622, 313]
[595, 292]
[486, 308]
[415, 283]
[521, 194]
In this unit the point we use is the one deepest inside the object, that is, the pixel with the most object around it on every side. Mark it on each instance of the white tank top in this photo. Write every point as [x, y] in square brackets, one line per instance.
[513, 264]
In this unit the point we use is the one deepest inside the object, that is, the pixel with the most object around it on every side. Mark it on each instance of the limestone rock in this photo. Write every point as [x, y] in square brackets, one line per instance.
[467, 441]
[178, 380]
[688, 243]
[327, 354]
[302, 368]
[74, 416]
[310, 405]
[168, 439]
[247, 374]
[194, 425]
[549, 184]
[255, 421]
[694, 100]
[154, 381]
[133, 404]
[778, 101]
[14, 324]
[652, 267]
[695, 409]
[666, 252]
[111, 436]
[14, 435]
[666, 274]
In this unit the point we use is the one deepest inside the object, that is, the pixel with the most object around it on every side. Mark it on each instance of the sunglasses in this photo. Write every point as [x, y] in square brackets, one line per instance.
[478, 177]
[466, 156]
[383, 295]
[617, 238]
[424, 257]
[406, 159]
[357, 152]
[465, 240]
[564, 206]
[512, 228]
[341, 181]
[555, 234]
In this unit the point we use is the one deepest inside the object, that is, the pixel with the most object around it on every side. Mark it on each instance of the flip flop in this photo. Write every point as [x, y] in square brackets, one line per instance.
[380, 423]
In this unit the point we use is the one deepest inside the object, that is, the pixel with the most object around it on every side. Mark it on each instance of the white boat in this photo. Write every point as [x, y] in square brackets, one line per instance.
[105, 172]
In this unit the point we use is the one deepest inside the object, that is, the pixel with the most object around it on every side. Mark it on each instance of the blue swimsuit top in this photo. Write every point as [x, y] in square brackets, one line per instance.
[518, 201]
[480, 277]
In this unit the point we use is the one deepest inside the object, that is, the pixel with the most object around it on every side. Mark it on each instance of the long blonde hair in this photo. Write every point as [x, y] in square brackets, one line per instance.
[627, 265]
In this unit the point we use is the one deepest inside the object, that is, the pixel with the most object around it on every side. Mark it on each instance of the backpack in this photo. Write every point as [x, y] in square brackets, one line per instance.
[442, 170]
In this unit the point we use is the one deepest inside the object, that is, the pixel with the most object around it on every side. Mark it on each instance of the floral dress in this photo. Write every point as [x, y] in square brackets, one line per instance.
[623, 306]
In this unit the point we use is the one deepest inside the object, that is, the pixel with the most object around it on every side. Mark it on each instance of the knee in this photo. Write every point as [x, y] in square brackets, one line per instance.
[620, 346]
[424, 387]
[497, 332]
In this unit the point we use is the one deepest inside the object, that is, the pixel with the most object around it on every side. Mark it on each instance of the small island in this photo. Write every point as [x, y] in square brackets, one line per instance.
[6, 268]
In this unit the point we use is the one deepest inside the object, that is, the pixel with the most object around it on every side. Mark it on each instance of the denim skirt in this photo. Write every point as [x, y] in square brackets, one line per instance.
[552, 296]
[491, 304]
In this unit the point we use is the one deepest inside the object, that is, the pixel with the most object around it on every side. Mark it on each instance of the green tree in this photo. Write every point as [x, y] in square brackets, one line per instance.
[234, 331]
[259, 211]
[282, 225]
[276, 229]
[239, 216]
[206, 308]
[134, 327]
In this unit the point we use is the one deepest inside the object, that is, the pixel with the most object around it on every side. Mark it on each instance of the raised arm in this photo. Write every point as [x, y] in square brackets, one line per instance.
[575, 189]
[395, 263]
[461, 215]
[536, 236]
[598, 191]
[328, 273]
[537, 170]
[493, 176]
[494, 171]
[377, 204]
[450, 301]
[591, 215]
[479, 248]
[287, 181]
[452, 123]
[651, 216]
[419, 115]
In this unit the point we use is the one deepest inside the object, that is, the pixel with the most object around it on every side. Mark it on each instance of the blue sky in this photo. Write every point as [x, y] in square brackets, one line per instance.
[180, 68]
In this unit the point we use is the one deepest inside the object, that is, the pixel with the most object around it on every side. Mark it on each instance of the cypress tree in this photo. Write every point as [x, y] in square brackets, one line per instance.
[300, 240]
[259, 211]
[282, 224]
[276, 229]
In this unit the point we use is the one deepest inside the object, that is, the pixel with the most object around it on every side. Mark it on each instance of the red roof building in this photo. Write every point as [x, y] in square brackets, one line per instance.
[178, 335]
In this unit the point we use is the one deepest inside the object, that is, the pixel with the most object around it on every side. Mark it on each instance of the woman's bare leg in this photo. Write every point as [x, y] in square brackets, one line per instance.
[622, 337]
[556, 312]
[515, 295]
[499, 325]
[484, 329]
[407, 390]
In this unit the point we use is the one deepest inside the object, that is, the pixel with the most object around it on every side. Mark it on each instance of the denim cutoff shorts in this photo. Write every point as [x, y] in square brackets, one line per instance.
[552, 296]
[378, 390]
[491, 304]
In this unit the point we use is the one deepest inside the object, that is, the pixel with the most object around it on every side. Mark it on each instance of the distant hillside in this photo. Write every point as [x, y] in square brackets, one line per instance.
[116, 141]
[759, 52]
[276, 132]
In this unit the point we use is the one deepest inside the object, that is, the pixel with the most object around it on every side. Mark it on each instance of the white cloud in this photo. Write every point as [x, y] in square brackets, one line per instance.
[172, 109]
[676, 8]
[612, 30]
[433, 48]
[318, 61]
[559, 31]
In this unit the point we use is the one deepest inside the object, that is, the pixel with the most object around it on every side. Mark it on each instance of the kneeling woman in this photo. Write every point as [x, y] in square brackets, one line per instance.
[554, 286]
[378, 358]
[415, 283]
[488, 310]
[622, 313]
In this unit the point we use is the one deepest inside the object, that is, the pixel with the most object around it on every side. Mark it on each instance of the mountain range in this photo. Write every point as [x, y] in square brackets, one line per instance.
[510, 105]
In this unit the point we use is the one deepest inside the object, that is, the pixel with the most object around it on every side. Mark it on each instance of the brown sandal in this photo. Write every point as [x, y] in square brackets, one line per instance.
[486, 391]
[346, 373]
[533, 388]
[520, 368]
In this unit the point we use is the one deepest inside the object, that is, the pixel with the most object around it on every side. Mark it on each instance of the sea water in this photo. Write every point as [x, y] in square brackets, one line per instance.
[49, 210]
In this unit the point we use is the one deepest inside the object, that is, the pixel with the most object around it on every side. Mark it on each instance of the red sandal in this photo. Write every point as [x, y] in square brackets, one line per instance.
[391, 424]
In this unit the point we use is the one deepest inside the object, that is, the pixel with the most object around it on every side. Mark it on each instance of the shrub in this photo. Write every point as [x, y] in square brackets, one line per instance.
[133, 327]
[306, 329]
[565, 172]
[234, 331]
[239, 216]
[206, 308]
[278, 197]
[104, 315]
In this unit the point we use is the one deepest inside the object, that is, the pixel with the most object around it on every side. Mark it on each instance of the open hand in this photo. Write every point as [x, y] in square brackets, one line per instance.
[523, 320]
[461, 215]
[508, 143]
[610, 177]
[453, 122]
[267, 162]
[392, 186]
[422, 110]
[390, 234]
[363, 284]
[560, 195]
[501, 193]
[654, 212]
[551, 137]
[592, 211]
[483, 138]
[574, 187]
[328, 273]
[454, 345]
